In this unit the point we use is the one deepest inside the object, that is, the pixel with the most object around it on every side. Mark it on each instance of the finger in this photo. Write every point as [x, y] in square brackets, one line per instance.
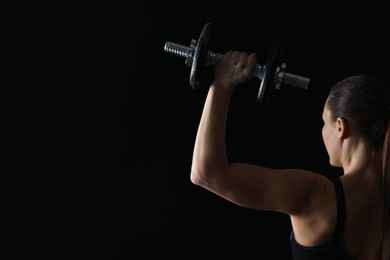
[252, 58]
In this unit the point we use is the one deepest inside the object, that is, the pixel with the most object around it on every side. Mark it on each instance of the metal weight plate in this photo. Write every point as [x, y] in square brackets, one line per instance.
[199, 67]
[267, 82]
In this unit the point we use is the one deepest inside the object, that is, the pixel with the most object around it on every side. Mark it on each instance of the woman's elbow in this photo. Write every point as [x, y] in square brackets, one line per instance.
[195, 176]
[204, 176]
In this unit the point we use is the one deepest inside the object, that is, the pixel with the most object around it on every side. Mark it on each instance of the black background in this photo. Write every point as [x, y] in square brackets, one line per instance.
[98, 122]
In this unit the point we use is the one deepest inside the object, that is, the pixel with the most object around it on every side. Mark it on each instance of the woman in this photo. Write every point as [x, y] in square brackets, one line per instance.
[340, 218]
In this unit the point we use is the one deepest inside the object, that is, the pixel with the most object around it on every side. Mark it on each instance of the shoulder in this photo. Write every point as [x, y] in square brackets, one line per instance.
[305, 190]
[315, 222]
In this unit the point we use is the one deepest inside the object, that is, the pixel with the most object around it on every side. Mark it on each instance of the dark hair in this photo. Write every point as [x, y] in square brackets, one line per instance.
[364, 101]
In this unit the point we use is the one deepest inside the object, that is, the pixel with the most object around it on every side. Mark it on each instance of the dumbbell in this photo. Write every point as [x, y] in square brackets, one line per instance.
[198, 56]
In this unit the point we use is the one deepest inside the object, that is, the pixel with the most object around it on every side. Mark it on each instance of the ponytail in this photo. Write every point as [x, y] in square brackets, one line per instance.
[386, 186]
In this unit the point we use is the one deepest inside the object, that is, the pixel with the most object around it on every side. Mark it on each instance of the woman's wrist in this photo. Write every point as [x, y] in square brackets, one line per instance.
[220, 94]
[222, 88]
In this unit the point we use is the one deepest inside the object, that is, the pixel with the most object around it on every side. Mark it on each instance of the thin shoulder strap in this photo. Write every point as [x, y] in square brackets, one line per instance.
[341, 212]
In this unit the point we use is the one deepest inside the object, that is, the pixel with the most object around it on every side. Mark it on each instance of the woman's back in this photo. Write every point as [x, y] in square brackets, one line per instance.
[364, 223]
[361, 234]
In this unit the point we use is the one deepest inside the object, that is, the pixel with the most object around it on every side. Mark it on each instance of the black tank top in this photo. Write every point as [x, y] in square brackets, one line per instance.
[334, 249]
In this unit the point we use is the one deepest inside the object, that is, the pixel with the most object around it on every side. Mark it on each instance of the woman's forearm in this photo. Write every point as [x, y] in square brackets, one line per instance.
[209, 155]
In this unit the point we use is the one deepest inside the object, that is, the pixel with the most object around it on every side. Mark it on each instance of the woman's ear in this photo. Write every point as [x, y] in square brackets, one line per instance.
[343, 128]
